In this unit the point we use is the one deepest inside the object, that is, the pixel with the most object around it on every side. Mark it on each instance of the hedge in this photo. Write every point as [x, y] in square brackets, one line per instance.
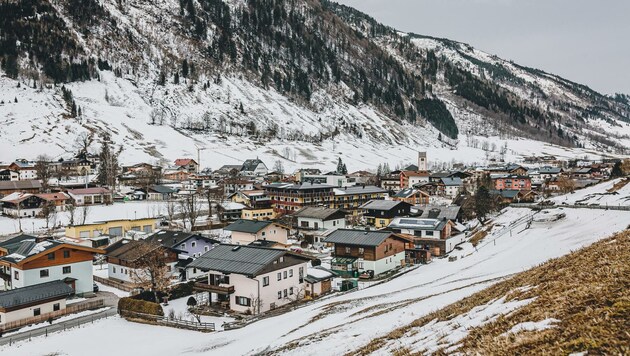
[139, 306]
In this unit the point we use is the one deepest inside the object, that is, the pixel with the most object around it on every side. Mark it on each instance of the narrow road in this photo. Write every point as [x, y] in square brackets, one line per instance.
[109, 299]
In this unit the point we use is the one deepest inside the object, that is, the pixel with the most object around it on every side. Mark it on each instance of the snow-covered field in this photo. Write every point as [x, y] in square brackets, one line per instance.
[127, 210]
[598, 194]
[345, 322]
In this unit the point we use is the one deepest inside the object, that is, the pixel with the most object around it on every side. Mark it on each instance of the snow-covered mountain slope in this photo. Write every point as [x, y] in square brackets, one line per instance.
[345, 323]
[303, 82]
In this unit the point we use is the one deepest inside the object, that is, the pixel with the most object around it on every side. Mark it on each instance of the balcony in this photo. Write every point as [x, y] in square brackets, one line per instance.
[225, 290]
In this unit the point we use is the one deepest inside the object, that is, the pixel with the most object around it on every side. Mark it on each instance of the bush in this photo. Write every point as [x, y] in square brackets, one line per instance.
[191, 302]
[182, 290]
[139, 306]
[149, 296]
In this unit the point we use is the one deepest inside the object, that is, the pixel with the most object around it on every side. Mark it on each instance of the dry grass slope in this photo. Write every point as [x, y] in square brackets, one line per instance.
[588, 291]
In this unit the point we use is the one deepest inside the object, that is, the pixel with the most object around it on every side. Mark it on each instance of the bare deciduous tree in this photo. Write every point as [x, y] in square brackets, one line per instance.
[150, 267]
[43, 170]
[85, 211]
[71, 210]
[191, 209]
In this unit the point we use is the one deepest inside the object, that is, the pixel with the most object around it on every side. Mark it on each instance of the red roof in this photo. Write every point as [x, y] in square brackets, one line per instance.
[184, 161]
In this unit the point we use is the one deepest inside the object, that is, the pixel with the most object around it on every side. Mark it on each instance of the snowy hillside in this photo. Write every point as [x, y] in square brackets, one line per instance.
[346, 322]
[300, 82]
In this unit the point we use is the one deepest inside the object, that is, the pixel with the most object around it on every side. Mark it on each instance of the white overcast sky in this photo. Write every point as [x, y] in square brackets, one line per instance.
[586, 41]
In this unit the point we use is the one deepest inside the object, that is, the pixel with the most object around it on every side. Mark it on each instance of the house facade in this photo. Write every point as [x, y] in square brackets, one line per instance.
[511, 182]
[287, 198]
[187, 164]
[27, 260]
[36, 300]
[351, 198]
[91, 196]
[244, 232]
[114, 228]
[433, 235]
[124, 261]
[412, 196]
[254, 168]
[21, 186]
[359, 251]
[379, 213]
[319, 218]
[251, 280]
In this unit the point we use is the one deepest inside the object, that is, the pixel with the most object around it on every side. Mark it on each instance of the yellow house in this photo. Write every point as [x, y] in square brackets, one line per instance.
[112, 228]
[258, 214]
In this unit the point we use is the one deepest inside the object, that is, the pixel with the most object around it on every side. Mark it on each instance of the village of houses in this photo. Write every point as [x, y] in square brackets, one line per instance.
[230, 245]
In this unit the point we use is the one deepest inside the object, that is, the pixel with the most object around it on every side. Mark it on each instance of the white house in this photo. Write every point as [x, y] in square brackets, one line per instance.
[254, 168]
[36, 300]
[252, 280]
[28, 260]
[244, 232]
[91, 196]
[320, 218]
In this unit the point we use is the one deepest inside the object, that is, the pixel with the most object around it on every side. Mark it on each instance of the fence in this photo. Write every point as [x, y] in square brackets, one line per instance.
[176, 323]
[573, 206]
[112, 283]
[40, 318]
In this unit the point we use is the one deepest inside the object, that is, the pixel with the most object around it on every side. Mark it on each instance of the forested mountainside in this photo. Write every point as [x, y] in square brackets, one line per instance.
[302, 70]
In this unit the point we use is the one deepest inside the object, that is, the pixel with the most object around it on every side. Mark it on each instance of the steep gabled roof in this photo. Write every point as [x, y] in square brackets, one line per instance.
[85, 191]
[184, 161]
[173, 239]
[251, 164]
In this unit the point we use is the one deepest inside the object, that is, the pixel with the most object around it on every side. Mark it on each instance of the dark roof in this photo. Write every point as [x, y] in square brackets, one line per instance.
[250, 165]
[263, 243]
[439, 212]
[174, 238]
[162, 189]
[12, 244]
[249, 226]
[452, 181]
[20, 184]
[505, 193]
[319, 213]
[247, 260]
[127, 250]
[358, 237]
[34, 293]
[411, 167]
[382, 204]
[359, 189]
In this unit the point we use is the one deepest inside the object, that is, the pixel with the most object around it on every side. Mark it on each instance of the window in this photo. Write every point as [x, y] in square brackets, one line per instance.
[291, 291]
[347, 249]
[265, 281]
[67, 269]
[360, 265]
[279, 294]
[206, 248]
[281, 259]
[361, 250]
[243, 301]
[51, 256]
[43, 273]
[193, 244]
[194, 270]
[114, 269]
[183, 246]
[16, 275]
[56, 307]
[285, 274]
[66, 254]
[334, 223]
[262, 234]
[291, 272]
[37, 312]
[279, 276]
[285, 293]
[429, 233]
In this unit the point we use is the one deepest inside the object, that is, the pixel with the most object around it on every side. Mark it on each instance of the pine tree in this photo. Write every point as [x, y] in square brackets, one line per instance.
[339, 165]
[379, 170]
[176, 80]
[344, 170]
[185, 68]
[617, 171]
[483, 204]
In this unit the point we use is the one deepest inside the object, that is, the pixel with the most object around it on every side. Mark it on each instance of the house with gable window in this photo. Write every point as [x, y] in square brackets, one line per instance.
[28, 260]
[192, 244]
[379, 213]
[244, 232]
[251, 279]
[359, 251]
